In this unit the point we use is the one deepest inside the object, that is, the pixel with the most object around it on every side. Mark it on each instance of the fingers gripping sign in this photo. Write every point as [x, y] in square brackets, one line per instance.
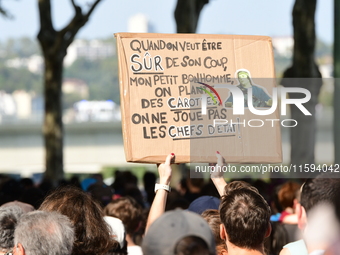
[165, 171]
[216, 171]
[217, 175]
[162, 188]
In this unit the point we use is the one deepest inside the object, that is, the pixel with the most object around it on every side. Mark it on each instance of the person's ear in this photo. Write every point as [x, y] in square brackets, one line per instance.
[302, 216]
[223, 233]
[19, 250]
[295, 203]
[223, 252]
[269, 230]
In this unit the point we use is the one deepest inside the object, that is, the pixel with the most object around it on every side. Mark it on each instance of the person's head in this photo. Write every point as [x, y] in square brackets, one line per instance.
[245, 216]
[92, 234]
[212, 216]
[196, 184]
[128, 211]
[203, 203]
[101, 193]
[43, 233]
[322, 189]
[117, 230]
[9, 217]
[287, 193]
[149, 180]
[244, 78]
[118, 234]
[24, 206]
[179, 232]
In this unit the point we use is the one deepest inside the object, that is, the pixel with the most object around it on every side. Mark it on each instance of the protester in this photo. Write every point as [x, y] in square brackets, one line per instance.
[9, 217]
[174, 232]
[195, 186]
[334, 248]
[117, 233]
[213, 219]
[130, 213]
[245, 217]
[287, 197]
[101, 193]
[24, 206]
[92, 234]
[203, 203]
[244, 213]
[43, 233]
[179, 232]
[322, 189]
[149, 180]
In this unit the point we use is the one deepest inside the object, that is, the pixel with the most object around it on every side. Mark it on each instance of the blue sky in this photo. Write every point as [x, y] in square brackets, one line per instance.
[261, 17]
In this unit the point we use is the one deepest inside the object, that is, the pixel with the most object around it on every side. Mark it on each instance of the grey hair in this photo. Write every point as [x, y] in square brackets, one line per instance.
[45, 233]
[9, 217]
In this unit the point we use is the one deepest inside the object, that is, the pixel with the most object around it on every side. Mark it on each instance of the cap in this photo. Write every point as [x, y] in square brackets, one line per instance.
[203, 203]
[117, 229]
[165, 232]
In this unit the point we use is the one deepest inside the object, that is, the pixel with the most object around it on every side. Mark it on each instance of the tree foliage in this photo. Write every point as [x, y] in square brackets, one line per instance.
[100, 75]
[12, 79]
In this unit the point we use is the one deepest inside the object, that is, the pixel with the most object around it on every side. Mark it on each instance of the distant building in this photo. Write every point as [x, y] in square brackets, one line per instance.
[23, 101]
[7, 104]
[139, 23]
[34, 63]
[96, 111]
[91, 50]
[283, 46]
[75, 86]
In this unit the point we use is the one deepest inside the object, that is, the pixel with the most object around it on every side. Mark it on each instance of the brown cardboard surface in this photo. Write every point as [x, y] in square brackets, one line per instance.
[154, 74]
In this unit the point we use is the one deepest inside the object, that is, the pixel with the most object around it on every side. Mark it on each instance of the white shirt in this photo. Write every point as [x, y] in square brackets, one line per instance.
[134, 250]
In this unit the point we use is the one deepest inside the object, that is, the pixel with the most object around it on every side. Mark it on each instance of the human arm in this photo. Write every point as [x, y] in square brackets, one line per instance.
[158, 205]
[217, 176]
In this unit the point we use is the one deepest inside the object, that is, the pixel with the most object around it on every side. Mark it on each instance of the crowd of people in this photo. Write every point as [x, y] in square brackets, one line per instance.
[192, 217]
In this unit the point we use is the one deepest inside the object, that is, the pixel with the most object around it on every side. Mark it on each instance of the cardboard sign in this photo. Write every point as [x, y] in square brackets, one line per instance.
[195, 94]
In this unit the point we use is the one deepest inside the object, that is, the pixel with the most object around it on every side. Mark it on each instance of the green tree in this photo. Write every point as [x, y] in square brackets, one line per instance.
[12, 79]
[99, 75]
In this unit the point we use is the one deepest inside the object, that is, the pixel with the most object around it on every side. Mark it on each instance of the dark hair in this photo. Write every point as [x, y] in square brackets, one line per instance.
[101, 193]
[118, 250]
[287, 194]
[277, 239]
[128, 211]
[323, 188]
[192, 245]
[212, 216]
[245, 215]
[92, 234]
[149, 180]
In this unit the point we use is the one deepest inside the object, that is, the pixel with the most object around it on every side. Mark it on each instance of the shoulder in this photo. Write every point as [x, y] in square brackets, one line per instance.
[295, 248]
[285, 251]
[135, 250]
